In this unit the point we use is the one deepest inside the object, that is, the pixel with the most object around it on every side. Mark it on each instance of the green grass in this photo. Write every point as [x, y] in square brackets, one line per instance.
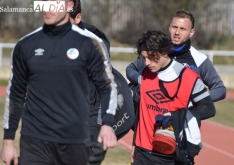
[217, 60]
[120, 156]
[123, 57]
[224, 112]
[223, 60]
[7, 52]
[117, 156]
[3, 82]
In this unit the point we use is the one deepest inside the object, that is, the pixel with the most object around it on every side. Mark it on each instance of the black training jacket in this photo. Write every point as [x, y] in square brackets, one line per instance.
[50, 84]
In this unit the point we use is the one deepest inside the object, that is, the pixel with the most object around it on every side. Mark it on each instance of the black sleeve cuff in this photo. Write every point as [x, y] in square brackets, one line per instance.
[108, 119]
[9, 134]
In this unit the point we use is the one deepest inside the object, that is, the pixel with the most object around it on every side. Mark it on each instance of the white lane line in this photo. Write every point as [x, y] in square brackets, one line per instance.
[218, 124]
[218, 150]
[214, 148]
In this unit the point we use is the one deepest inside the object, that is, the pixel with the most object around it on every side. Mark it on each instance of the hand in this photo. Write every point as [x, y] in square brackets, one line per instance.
[107, 137]
[132, 154]
[9, 153]
[167, 114]
[98, 153]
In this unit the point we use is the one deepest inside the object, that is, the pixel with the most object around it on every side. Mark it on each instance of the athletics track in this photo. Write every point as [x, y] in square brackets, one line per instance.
[217, 139]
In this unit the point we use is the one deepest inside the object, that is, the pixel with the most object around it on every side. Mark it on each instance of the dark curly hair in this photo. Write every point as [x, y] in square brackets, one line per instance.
[154, 42]
[76, 9]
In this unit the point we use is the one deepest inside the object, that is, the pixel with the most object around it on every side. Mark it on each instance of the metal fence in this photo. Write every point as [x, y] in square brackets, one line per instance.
[209, 53]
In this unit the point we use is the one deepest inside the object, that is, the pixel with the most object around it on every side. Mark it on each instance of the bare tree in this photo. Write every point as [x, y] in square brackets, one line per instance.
[19, 23]
[125, 20]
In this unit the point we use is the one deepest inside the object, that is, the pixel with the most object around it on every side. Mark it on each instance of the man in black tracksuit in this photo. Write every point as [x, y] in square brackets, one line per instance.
[125, 108]
[49, 87]
[95, 119]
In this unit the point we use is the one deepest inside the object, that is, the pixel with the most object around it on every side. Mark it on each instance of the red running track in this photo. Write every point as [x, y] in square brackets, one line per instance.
[218, 144]
[217, 139]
